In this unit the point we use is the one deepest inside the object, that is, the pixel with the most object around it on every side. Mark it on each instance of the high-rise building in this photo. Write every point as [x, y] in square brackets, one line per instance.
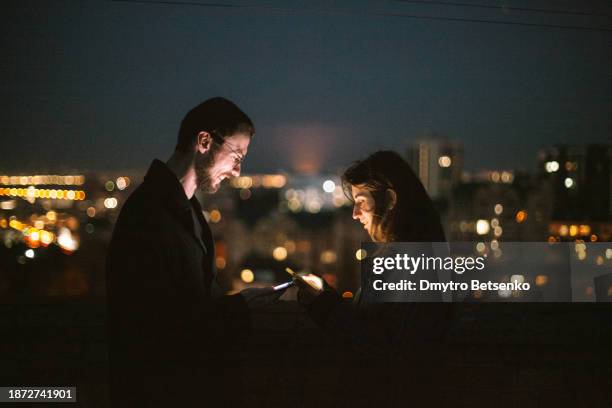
[438, 164]
[580, 176]
[598, 183]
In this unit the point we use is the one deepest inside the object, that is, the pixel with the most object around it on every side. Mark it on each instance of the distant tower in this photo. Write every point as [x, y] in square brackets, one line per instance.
[580, 176]
[438, 164]
[599, 182]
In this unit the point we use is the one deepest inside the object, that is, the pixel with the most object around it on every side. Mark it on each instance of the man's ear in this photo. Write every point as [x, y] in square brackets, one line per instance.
[203, 142]
[391, 198]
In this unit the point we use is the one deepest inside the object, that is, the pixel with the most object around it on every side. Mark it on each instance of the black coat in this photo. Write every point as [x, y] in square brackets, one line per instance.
[170, 327]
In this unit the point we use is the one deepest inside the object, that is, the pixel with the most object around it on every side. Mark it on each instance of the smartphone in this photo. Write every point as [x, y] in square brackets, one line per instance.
[284, 285]
[313, 281]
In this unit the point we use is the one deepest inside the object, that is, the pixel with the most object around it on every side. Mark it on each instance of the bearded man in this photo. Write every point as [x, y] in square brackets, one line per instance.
[171, 327]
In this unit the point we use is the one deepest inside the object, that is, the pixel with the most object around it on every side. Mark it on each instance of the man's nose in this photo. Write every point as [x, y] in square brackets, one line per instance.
[236, 171]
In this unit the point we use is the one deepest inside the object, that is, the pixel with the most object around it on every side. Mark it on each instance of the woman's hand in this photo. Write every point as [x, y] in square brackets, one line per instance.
[309, 288]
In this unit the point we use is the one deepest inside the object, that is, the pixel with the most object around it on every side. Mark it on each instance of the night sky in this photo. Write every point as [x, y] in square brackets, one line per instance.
[104, 85]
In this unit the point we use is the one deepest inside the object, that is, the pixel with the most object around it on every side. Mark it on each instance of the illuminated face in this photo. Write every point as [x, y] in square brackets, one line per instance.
[363, 210]
[221, 162]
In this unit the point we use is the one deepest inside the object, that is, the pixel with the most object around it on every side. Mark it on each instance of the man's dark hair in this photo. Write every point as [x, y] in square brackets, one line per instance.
[213, 115]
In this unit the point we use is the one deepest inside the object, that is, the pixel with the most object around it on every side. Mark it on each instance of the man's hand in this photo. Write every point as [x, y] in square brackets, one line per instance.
[261, 297]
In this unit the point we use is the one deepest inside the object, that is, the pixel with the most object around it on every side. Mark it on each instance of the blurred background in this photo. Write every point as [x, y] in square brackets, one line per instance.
[503, 112]
[55, 228]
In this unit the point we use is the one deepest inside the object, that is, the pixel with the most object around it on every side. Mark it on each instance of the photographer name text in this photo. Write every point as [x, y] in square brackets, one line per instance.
[407, 285]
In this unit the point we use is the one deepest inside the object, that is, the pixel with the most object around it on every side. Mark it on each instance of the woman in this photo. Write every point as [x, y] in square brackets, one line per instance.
[390, 201]
[393, 206]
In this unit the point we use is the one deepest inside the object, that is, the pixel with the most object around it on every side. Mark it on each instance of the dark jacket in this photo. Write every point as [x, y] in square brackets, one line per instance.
[170, 328]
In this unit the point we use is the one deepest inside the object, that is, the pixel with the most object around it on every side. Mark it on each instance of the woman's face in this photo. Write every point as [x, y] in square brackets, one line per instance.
[363, 210]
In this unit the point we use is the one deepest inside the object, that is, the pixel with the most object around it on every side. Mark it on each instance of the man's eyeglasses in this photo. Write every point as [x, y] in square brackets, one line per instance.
[217, 138]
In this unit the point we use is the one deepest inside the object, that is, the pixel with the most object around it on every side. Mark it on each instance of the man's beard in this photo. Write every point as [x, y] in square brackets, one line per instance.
[203, 164]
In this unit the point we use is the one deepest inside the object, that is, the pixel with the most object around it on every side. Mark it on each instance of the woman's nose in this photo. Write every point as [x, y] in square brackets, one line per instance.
[356, 213]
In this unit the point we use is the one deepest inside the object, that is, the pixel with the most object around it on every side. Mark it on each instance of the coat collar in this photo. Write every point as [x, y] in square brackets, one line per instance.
[163, 184]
